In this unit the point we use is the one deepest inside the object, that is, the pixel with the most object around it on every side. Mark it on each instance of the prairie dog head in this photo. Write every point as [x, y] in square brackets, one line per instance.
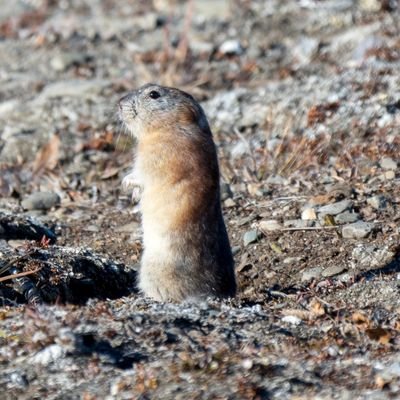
[158, 108]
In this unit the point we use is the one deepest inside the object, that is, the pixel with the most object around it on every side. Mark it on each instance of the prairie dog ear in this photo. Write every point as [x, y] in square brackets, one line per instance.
[193, 114]
[187, 113]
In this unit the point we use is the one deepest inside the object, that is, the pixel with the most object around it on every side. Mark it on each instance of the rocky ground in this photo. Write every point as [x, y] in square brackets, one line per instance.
[304, 102]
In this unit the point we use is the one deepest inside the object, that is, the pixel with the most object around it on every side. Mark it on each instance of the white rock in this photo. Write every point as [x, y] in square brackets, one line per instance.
[291, 319]
[49, 354]
[231, 47]
[247, 363]
[309, 214]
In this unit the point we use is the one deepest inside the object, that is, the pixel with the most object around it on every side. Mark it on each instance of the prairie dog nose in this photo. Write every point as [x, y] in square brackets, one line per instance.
[123, 100]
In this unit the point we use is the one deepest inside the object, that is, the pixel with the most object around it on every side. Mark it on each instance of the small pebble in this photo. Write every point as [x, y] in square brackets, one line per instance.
[270, 225]
[297, 223]
[370, 5]
[333, 351]
[226, 192]
[392, 108]
[18, 379]
[309, 214]
[127, 228]
[311, 273]
[291, 260]
[41, 201]
[389, 175]
[247, 363]
[378, 202]
[63, 61]
[291, 319]
[357, 230]
[236, 250]
[388, 163]
[229, 202]
[231, 47]
[346, 217]
[333, 270]
[16, 243]
[250, 237]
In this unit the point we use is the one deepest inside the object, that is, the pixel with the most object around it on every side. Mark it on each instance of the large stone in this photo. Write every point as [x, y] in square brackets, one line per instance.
[41, 201]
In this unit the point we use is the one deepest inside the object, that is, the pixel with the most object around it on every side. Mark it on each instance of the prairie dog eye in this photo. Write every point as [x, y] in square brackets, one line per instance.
[154, 94]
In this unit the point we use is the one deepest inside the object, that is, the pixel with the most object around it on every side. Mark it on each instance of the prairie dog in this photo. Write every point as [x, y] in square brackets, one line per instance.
[186, 247]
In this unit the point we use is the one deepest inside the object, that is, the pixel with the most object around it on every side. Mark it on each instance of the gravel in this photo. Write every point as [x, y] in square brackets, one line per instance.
[302, 99]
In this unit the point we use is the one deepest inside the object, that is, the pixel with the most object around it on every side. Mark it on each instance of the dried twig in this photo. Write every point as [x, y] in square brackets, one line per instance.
[311, 228]
[19, 275]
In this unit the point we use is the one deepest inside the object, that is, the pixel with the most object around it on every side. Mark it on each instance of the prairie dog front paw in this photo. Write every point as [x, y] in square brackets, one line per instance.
[130, 183]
